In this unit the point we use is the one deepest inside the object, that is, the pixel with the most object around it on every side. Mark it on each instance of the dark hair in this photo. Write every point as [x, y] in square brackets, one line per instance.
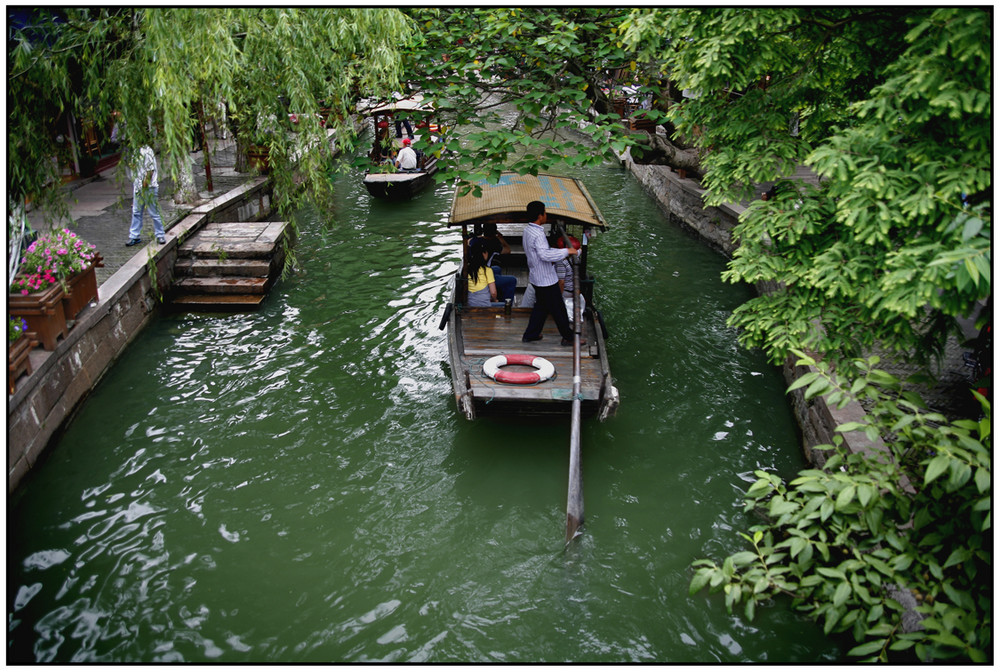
[476, 263]
[534, 209]
[489, 229]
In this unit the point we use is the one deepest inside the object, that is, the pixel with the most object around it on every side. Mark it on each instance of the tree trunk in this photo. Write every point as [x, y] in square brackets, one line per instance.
[207, 155]
[657, 150]
[242, 163]
[187, 190]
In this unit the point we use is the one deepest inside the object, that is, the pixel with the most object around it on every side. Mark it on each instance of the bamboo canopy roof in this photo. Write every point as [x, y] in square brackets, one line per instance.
[564, 197]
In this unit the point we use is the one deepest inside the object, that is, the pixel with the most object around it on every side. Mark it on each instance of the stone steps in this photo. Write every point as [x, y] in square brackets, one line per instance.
[228, 265]
[222, 267]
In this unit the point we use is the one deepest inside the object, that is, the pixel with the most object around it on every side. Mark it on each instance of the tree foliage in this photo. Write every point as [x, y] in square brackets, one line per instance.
[548, 65]
[892, 107]
[849, 543]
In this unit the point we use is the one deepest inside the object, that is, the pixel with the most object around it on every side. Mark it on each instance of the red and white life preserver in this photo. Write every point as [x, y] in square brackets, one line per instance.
[543, 369]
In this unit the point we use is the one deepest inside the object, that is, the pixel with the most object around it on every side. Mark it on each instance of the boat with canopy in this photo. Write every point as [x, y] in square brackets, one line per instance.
[493, 371]
[405, 117]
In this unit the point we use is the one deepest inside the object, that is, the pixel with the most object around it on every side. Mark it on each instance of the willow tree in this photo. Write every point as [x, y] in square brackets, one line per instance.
[892, 108]
[156, 66]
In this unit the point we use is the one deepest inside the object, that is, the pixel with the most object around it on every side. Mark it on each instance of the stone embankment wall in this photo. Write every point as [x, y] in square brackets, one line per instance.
[682, 200]
[127, 301]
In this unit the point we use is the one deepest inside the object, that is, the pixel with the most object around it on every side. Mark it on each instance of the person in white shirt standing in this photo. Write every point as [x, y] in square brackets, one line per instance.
[145, 191]
[407, 158]
[542, 276]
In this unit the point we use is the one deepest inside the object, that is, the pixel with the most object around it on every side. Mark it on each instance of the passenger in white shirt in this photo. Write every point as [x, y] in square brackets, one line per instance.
[407, 158]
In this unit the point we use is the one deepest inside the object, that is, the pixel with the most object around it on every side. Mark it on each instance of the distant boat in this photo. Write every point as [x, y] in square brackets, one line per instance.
[493, 372]
[383, 180]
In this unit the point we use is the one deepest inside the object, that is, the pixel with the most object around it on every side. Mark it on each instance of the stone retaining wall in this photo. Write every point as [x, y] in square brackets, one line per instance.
[682, 200]
[46, 400]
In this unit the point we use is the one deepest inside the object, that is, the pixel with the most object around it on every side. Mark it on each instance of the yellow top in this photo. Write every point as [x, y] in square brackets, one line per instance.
[481, 281]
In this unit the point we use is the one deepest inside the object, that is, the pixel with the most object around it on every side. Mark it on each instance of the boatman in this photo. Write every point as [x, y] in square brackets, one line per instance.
[407, 158]
[542, 276]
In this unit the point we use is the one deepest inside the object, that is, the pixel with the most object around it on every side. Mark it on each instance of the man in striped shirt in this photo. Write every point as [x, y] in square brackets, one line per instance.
[542, 275]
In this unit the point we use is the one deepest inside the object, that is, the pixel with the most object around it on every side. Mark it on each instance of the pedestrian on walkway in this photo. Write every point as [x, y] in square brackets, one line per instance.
[145, 191]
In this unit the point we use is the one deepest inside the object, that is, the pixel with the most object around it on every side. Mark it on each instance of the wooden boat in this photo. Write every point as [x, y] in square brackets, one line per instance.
[383, 180]
[477, 336]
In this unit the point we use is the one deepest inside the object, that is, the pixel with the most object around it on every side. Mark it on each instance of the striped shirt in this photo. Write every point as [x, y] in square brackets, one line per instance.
[541, 272]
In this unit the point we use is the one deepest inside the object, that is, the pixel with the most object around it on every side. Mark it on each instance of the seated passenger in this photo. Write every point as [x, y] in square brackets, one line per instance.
[482, 287]
[407, 158]
[496, 246]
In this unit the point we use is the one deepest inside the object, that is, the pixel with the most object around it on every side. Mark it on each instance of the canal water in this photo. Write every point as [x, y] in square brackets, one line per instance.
[296, 484]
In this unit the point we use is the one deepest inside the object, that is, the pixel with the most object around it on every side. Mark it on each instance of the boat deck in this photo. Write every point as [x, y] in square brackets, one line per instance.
[487, 332]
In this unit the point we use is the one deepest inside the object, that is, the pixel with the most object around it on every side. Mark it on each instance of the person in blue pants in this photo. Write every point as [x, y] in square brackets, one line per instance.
[145, 191]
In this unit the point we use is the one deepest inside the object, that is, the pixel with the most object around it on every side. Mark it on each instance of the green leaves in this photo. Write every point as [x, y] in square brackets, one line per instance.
[546, 64]
[157, 66]
[892, 113]
[861, 533]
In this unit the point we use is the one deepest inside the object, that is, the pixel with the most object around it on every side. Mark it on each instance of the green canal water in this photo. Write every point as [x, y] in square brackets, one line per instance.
[296, 484]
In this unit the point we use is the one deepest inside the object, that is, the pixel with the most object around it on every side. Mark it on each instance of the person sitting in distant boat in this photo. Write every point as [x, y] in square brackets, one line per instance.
[482, 285]
[407, 158]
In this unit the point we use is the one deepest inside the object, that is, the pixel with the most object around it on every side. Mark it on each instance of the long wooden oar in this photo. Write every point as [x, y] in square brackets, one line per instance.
[574, 497]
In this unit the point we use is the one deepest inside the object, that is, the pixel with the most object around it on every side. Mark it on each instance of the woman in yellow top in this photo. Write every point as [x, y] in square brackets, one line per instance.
[482, 285]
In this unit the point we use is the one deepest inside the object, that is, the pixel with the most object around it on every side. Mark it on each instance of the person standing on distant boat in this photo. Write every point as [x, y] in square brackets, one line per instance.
[542, 276]
[407, 158]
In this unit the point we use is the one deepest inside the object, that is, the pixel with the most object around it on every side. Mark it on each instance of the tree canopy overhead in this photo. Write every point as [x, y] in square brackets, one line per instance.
[548, 65]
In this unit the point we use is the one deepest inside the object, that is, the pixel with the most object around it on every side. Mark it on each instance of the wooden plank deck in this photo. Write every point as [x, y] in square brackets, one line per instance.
[488, 332]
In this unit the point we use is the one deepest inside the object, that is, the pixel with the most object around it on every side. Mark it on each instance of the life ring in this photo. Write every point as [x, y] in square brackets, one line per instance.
[543, 369]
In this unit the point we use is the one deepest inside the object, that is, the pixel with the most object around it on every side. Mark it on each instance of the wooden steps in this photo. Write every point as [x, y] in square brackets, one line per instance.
[229, 265]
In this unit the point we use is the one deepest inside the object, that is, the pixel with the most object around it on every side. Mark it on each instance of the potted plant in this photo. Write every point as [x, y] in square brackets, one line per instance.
[58, 265]
[19, 346]
[259, 156]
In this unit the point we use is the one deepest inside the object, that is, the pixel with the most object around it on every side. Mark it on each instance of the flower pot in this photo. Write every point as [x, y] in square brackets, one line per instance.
[82, 290]
[43, 311]
[19, 360]
[259, 157]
